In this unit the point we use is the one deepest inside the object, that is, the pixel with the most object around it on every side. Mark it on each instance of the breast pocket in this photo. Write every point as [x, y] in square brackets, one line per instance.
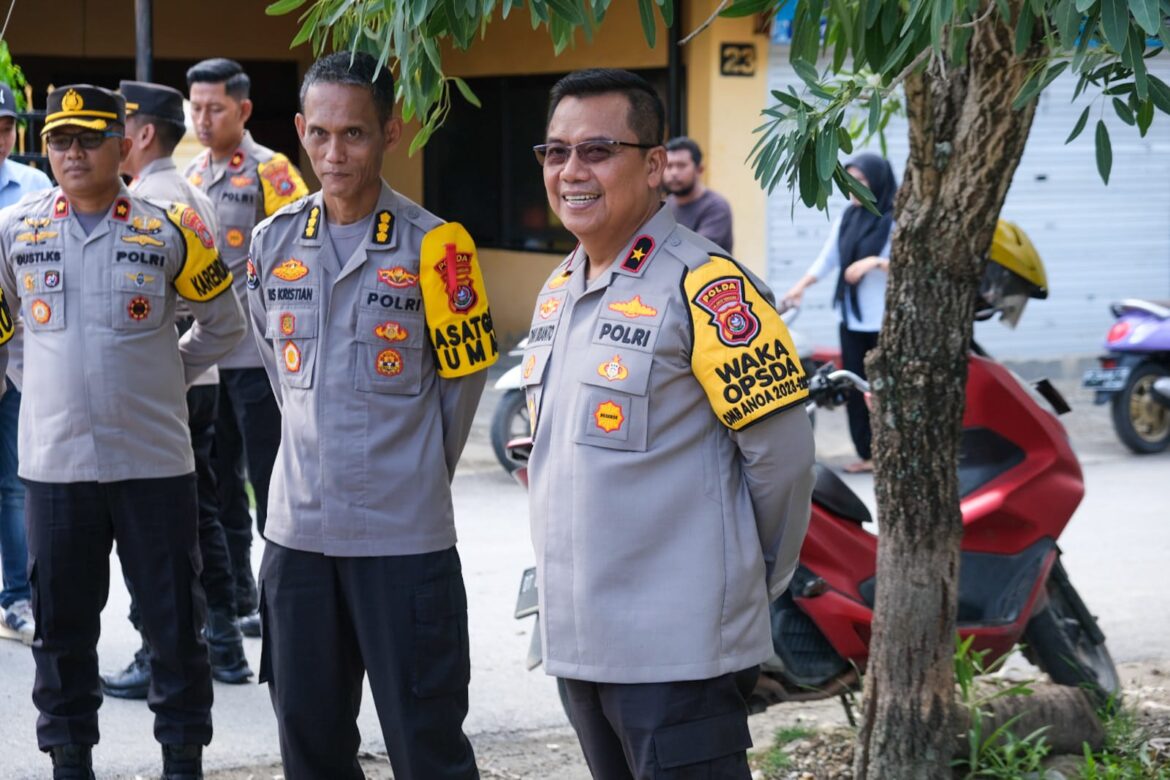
[389, 350]
[613, 405]
[293, 333]
[139, 299]
[43, 306]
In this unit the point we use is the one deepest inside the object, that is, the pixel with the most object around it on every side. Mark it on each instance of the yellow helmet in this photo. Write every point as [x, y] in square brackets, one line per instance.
[1013, 274]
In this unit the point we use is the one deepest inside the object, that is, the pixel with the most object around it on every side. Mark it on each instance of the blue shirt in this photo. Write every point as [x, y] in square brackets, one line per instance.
[17, 180]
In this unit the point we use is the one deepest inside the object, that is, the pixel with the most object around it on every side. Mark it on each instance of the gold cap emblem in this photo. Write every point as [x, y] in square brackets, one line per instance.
[72, 101]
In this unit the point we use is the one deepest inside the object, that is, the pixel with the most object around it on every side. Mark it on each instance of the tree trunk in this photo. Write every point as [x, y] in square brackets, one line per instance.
[1067, 715]
[965, 143]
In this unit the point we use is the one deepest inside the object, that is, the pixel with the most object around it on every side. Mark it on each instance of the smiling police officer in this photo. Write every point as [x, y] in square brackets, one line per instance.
[373, 321]
[104, 448]
[671, 467]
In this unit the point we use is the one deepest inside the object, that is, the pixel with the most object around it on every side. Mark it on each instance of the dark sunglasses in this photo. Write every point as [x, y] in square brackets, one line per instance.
[91, 139]
[590, 152]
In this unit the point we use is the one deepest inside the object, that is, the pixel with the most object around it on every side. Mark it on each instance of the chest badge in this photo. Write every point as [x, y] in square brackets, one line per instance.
[558, 282]
[40, 311]
[455, 270]
[52, 279]
[235, 237]
[291, 270]
[388, 363]
[608, 416]
[36, 236]
[139, 279]
[391, 331]
[613, 370]
[397, 277]
[242, 181]
[145, 230]
[731, 314]
[196, 179]
[292, 357]
[253, 281]
[549, 307]
[529, 365]
[633, 308]
[288, 323]
[138, 308]
[30, 282]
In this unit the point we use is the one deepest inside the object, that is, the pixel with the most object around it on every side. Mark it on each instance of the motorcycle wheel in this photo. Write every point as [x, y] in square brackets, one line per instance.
[1141, 421]
[1058, 641]
[509, 421]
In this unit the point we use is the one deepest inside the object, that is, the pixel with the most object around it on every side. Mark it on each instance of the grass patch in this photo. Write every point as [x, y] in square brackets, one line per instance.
[1126, 755]
[776, 759]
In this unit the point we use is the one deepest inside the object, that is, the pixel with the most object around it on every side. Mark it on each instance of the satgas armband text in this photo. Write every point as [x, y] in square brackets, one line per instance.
[455, 299]
[204, 274]
[743, 354]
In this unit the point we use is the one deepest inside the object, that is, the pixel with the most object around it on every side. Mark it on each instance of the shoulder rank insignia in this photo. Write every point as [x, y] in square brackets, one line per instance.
[397, 277]
[121, 210]
[311, 222]
[639, 254]
[743, 355]
[237, 161]
[291, 270]
[60, 207]
[383, 225]
[633, 308]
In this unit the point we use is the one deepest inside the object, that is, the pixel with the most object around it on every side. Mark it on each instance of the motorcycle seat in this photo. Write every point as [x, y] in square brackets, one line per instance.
[831, 492]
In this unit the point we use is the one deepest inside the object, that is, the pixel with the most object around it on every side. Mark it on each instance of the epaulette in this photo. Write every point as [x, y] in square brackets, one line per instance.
[283, 213]
[692, 250]
[416, 215]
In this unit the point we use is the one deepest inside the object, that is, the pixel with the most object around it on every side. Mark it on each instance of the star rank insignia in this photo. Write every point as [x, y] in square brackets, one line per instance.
[122, 210]
[383, 225]
[311, 222]
[60, 207]
[639, 253]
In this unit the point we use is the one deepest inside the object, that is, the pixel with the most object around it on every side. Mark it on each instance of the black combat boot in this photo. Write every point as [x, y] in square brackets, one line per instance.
[226, 645]
[72, 762]
[182, 762]
[133, 682]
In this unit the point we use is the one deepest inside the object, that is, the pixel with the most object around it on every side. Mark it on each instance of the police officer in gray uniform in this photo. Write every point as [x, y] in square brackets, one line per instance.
[155, 124]
[246, 182]
[671, 468]
[104, 448]
[373, 321]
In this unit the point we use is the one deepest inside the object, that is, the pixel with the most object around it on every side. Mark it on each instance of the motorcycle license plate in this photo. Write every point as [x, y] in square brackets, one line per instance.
[1106, 379]
[526, 599]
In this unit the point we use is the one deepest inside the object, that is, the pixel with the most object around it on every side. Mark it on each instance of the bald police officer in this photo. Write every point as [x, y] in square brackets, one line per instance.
[155, 124]
[246, 182]
[671, 468]
[104, 448]
[373, 321]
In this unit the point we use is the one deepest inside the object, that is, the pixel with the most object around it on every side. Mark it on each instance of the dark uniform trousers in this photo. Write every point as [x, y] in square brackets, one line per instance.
[202, 405]
[688, 730]
[402, 620]
[247, 436]
[71, 527]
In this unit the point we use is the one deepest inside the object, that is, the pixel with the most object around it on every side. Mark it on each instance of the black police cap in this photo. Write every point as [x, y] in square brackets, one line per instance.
[143, 97]
[85, 106]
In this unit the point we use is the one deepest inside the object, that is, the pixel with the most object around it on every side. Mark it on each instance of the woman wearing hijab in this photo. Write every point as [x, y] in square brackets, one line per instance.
[858, 248]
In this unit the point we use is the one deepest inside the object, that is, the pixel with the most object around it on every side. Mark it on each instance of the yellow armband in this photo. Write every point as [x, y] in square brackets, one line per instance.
[282, 183]
[743, 354]
[7, 328]
[204, 274]
[458, 319]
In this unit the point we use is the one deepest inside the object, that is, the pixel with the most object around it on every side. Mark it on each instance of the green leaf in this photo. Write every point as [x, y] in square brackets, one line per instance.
[875, 112]
[1145, 116]
[1025, 25]
[1068, 21]
[826, 154]
[646, 14]
[808, 73]
[568, 11]
[1104, 151]
[1145, 13]
[466, 92]
[1052, 73]
[283, 7]
[1124, 113]
[1079, 126]
[809, 182]
[666, 8]
[1160, 94]
[1115, 22]
[844, 140]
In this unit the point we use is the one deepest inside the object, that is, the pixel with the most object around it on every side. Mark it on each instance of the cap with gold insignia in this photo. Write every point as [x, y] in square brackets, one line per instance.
[85, 106]
[143, 97]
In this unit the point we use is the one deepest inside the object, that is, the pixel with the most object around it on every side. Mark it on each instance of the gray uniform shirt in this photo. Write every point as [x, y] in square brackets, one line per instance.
[105, 374]
[252, 184]
[160, 179]
[370, 432]
[661, 534]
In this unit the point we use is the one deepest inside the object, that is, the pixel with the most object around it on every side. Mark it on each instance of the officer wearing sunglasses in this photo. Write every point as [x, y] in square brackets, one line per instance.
[671, 467]
[105, 454]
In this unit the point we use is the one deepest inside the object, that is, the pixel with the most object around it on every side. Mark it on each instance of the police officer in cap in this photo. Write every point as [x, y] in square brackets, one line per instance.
[155, 124]
[668, 498]
[373, 321]
[105, 452]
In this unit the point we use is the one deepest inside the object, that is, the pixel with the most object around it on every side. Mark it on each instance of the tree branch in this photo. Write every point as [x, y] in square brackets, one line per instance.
[710, 20]
[980, 18]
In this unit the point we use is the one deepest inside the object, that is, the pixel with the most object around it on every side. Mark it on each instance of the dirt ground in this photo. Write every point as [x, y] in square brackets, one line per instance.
[555, 754]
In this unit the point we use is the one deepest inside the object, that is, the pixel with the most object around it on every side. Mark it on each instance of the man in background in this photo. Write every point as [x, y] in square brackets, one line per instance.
[702, 210]
[246, 182]
[16, 616]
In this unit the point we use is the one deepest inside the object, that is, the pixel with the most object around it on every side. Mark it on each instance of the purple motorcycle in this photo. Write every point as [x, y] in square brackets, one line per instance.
[1139, 356]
